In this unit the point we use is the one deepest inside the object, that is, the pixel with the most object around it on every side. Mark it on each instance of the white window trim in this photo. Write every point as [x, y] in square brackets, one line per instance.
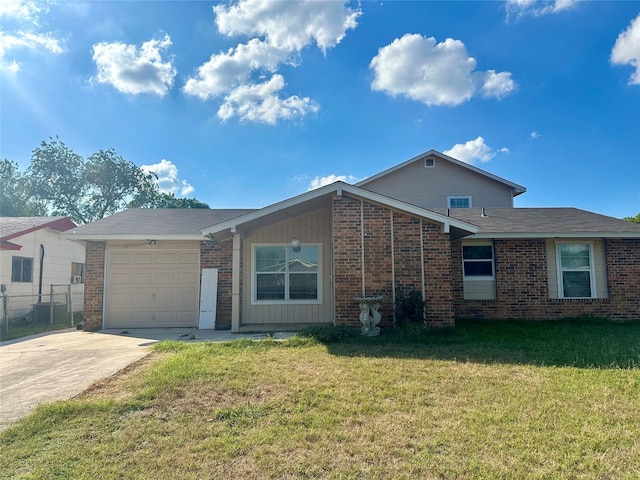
[254, 301]
[592, 274]
[483, 278]
[457, 197]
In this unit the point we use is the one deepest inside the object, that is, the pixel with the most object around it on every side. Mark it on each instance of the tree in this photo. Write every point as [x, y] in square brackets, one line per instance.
[165, 200]
[65, 184]
[14, 199]
[635, 219]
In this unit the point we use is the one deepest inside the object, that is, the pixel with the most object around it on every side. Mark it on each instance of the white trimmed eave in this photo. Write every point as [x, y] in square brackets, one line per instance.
[339, 188]
[518, 235]
[148, 236]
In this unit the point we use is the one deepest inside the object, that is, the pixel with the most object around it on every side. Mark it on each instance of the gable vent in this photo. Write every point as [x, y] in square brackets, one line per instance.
[429, 162]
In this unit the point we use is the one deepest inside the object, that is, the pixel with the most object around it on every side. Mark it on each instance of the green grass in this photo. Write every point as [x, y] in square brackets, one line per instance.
[18, 331]
[484, 400]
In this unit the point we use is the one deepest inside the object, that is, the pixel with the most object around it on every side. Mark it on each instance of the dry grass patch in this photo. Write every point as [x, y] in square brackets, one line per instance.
[465, 404]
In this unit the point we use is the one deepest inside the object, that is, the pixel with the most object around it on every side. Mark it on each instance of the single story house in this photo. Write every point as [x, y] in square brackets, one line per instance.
[433, 224]
[34, 254]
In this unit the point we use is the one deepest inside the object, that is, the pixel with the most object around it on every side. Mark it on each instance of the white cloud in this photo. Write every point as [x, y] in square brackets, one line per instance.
[223, 71]
[536, 8]
[132, 70]
[474, 150]
[626, 50]
[21, 30]
[288, 25]
[168, 181]
[318, 182]
[434, 73]
[533, 135]
[260, 103]
[280, 30]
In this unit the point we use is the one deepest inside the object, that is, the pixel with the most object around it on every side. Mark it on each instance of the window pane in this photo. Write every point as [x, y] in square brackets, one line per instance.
[304, 260]
[461, 202]
[478, 269]
[21, 269]
[303, 286]
[27, 269]
[477, 252]
[270, 259]
[576, 284]
[270, 286]
[575, 256]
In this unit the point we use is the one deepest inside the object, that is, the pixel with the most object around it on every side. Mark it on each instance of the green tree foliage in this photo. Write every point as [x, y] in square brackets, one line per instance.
[635, 219]
[14, 199]
[165, 200]
[60, 182]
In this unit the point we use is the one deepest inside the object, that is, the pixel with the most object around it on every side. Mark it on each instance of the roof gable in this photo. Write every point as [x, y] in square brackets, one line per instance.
[339, 188]
[12, 227]
[516, 189]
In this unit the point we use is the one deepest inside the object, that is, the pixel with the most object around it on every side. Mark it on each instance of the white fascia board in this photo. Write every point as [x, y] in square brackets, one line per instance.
[340, 188]
[518, 235]
[517, 189]
[149, 236]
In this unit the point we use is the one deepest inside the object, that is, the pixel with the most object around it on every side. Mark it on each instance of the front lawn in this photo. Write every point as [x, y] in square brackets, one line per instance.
[486, 400]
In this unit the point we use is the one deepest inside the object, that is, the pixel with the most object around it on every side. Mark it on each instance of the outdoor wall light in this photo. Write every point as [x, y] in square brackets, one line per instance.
[151, 243]
[295, 244]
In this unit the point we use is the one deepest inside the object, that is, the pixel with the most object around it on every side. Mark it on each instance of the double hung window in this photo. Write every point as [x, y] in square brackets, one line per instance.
[477, 262]
[22, 269]
[575, 270]
[286, 274]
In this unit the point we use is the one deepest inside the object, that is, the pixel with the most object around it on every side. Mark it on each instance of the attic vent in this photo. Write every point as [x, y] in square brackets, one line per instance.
[429, 162]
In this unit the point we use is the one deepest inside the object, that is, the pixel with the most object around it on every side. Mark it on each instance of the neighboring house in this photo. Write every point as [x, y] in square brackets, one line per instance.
[431, 224]
[34, 254]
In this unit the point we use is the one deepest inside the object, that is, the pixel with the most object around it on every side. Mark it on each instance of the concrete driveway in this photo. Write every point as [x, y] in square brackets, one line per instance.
[60, 365]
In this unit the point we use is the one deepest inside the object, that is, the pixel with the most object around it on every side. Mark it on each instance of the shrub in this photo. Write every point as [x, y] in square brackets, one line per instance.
[330, 333]
[409, 307]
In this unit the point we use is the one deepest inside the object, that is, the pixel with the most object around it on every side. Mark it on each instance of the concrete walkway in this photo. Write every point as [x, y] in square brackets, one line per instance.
[60, 365]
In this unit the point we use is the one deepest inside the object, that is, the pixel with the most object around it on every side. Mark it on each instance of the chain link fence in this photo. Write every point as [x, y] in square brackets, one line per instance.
[25, 314]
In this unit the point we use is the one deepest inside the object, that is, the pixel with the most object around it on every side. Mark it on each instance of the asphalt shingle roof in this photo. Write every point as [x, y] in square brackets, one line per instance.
[541, 220]
[159, 221]
[10, 226]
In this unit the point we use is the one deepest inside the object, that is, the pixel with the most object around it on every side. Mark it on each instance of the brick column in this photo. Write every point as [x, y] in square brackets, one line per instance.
[438, 279]
[93, 285]
[219, 256]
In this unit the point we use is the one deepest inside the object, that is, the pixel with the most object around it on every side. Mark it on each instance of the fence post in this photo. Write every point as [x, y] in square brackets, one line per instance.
[51, 305]
[5, 309]
[69, 305]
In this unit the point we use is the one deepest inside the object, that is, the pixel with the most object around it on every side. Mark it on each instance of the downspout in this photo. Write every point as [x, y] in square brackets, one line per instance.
[41, 269]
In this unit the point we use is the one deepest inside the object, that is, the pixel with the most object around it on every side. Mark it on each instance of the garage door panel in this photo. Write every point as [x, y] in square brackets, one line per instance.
[152, 288]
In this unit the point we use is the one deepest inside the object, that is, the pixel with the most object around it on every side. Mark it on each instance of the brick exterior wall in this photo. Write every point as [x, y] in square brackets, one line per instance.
[354, 220]
[93, 286]
[347, 258]
[219, 255]
[522, 286]
[623, 277]
[437, 275]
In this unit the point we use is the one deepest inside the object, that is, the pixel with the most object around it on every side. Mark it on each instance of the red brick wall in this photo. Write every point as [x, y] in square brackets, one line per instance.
[352, 219]
[623, 276]
[437, 275]
[93, 285]
[522, 284]
[347, 258]
[219, 255]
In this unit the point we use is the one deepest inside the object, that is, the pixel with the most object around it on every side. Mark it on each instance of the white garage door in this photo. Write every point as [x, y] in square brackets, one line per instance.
[152, 288]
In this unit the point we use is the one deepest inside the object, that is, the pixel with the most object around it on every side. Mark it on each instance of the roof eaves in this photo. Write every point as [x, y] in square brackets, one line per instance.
[123, 236]
[339, 188]
[519, 235]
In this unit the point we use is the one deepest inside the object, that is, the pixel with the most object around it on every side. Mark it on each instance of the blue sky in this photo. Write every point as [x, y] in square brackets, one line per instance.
[246, 103]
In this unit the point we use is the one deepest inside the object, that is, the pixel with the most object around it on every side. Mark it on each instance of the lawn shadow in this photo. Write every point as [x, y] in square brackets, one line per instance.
[582, 343]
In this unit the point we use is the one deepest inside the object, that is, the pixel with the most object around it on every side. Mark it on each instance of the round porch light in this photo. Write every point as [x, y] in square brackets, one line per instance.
[295, 243]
